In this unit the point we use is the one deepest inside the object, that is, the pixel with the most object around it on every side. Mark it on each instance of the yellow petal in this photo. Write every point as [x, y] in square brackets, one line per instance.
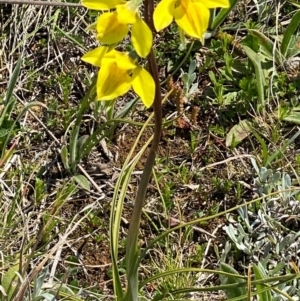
[141, 37]
[127, 13]
[112, 82]
[95, 56]
[193, 18]
[109, 30]
[163, 14]
[101, 4]
[123, 61]
[144, 86]
[214, 3]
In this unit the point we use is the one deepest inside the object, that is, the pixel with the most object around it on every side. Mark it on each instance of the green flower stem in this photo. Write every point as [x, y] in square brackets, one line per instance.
[132, 252]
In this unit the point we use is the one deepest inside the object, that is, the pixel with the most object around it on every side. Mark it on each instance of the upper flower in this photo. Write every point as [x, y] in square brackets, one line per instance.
[118, 73]
[192, 16]
[112, 27]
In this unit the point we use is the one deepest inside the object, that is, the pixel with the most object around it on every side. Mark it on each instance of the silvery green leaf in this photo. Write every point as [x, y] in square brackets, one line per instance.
[245, 249]
[216, 249]
[185, 78]
[265, 173]
[194, 88]
[38, 283]
[240, 230]
[230, 232]
[243, 212]
[286, 181]
[239, 239]
[254, 165]
[261, 236]
[192, 78]
[284, 195]
[259, 244]
[276, 177]
[227, 247]
[256, 222]
[277, 250]
[225, 251]
[261, 216]
[192, 67]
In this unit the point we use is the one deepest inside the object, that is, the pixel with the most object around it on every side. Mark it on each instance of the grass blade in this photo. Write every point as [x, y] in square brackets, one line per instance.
[260, 78]
[259, 275]
[73, 151]
[13, 81]
[268, 46]
[289, 33]
[8, 103]
[222, 15]
[24, 110]
[117, 207]
[294, 2]
[283, 148]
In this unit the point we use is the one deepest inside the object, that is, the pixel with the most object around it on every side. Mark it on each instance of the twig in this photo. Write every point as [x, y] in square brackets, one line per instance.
[49, 3]
[226, 160]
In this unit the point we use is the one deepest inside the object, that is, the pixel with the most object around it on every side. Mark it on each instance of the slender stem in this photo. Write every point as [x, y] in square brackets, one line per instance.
[38, 2]
[142, 188]
[132, 239]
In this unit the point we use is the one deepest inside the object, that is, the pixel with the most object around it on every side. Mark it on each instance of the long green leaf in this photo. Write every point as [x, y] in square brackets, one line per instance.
[189, 270]
[260, 78]
[277, 279]
[295, 3]
[120, 190]
[114, 228]
[10, 281]
[268, 46]
[24, 110]
[9, 103]
[188, 290]
[264, 148]
[282, 149]
[289, 33]
[222, 15]
[133, 257]
[73, 152]
[293, 116]
[259, 274]
[13, 80]
[230, 279]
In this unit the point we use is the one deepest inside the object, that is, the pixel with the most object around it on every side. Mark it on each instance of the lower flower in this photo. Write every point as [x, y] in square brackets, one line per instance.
[118, 73]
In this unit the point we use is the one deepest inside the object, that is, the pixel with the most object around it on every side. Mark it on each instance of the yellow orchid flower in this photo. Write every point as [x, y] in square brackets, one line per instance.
[118, 73]
[112, 27]
[192, 16]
